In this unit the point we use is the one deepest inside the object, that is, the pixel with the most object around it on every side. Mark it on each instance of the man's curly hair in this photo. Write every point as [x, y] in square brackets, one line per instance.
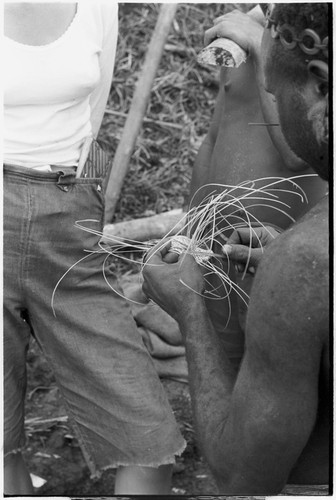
[299, 16]
[291, 65]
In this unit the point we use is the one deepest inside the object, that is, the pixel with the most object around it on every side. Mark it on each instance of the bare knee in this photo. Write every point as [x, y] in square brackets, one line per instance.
[144, 480]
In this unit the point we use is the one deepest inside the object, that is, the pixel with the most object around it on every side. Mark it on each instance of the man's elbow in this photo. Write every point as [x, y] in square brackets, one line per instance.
[237, 484]
[295, 164]
[237, 480]
[234, 477]
[220, 464]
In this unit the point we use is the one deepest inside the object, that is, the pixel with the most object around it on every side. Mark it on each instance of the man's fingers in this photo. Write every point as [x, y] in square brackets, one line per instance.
[145, 289]
[243, 254]
[244, 236]
[229, 15]
[235, 238]
[152, 259]
[241, 268]
[161, 248]
[171, 257]
[219, 19]
[210, 35]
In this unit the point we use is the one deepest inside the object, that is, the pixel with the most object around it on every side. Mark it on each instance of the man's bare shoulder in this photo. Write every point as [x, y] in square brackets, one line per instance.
[307, 240]
[292, 282]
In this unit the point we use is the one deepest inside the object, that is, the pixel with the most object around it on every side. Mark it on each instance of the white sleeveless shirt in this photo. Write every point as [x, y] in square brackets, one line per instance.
[55, 94]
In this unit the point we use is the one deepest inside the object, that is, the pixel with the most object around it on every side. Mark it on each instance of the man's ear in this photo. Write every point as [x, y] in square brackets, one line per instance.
[318, 114]
[319, 75]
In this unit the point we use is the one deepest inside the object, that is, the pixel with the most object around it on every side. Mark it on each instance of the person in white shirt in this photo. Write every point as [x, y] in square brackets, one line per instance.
[58, 64]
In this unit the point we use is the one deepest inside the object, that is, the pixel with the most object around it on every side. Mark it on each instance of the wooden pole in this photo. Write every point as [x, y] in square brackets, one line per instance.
[138, 108]
[146, 228]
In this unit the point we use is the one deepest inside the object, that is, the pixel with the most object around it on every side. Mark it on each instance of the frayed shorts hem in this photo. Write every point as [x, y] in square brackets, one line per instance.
[96, 473]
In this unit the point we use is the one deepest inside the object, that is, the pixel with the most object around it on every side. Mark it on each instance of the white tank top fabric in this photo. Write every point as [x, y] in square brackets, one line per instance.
[55, 94]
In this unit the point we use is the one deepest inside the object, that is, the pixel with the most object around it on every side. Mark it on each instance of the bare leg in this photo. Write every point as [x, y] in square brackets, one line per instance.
[16, 476]
[143, 480]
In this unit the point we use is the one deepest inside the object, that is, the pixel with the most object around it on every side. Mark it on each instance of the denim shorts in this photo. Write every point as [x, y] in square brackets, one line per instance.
[115, 400]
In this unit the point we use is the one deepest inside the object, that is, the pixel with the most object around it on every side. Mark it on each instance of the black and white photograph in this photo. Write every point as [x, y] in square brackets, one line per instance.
[166, 242]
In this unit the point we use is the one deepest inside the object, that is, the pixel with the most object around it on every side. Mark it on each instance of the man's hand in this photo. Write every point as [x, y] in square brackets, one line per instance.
[172, 281]
[238, 27]
[246, 246]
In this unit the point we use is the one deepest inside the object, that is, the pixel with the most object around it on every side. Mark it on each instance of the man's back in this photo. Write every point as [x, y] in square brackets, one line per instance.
[291, 293]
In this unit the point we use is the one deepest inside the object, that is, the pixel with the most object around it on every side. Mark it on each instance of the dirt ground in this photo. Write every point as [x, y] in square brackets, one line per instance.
[53, 454]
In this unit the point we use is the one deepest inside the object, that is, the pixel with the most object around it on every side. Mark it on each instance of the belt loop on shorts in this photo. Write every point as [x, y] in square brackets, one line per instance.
[67, 176]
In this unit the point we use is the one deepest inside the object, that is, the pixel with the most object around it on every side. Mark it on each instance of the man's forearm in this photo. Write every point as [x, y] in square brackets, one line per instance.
[211, 376]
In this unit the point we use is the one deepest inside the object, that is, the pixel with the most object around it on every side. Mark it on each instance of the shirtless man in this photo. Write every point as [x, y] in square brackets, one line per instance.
[268, 425]
[234, 150]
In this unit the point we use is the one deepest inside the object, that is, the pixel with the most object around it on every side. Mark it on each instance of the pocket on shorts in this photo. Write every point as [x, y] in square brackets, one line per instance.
[89, 200]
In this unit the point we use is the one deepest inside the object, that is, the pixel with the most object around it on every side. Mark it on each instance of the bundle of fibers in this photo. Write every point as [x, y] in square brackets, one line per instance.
[202, 227]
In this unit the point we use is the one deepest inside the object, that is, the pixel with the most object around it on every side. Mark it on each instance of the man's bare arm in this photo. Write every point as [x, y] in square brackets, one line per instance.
[273, 406]
[203, 160]
[246, 30]
[253, 429]
[204, 157]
